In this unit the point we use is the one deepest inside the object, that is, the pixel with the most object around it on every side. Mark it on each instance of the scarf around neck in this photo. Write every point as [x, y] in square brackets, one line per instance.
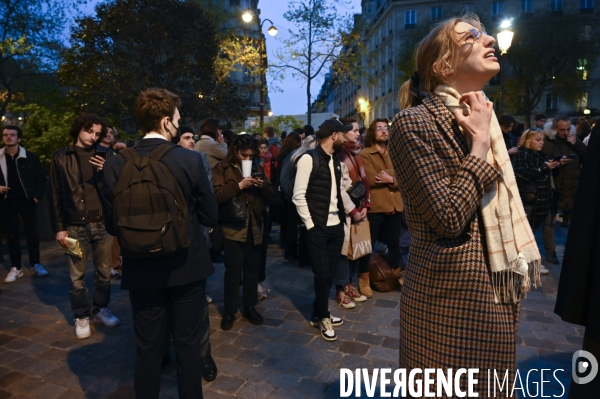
[512, 251]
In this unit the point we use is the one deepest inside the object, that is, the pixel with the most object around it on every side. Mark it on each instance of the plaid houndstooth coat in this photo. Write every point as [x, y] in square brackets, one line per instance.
[448, 316]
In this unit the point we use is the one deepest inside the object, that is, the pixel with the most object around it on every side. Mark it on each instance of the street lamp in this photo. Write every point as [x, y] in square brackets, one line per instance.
[505, 38]
[247, 17]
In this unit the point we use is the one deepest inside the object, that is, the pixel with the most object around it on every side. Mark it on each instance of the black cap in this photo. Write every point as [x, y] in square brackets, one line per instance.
[331, 126]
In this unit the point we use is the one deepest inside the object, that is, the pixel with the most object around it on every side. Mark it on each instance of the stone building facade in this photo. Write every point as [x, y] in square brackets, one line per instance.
[390, 24]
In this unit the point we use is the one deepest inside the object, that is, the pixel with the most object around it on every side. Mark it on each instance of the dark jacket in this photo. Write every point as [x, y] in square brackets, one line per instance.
[566, 183]
[535, 181]
[318, 192]
[226, 177]
[191, 264]
[68, 192]
[31, 173]
[578, 293]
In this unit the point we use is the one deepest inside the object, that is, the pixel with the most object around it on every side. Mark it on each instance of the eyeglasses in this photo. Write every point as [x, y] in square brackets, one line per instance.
[474, 33]
[384, 128]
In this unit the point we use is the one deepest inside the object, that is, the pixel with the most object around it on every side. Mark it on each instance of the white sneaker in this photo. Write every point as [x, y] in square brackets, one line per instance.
[82, 328]
[208, 299]
[13, 274]
[105, 317]
[262, 294]
[327, 330]
[39, 269]
[543, 270]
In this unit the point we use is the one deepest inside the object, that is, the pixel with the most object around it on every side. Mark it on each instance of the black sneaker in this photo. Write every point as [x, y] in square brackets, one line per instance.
[327, 330]
[335, 321]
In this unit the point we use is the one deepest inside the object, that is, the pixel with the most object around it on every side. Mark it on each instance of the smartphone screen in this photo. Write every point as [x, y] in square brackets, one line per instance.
[100, 153]
[257, 175]
[557, 158]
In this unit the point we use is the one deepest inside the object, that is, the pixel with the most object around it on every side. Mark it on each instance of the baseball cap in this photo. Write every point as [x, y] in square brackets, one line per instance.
[331, 126]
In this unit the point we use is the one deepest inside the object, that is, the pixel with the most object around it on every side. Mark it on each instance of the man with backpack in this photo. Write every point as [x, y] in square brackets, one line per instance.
[76, 179]
[317, 195]
[156, 198]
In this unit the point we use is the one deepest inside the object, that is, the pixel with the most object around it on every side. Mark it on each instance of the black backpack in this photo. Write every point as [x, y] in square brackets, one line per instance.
[149, 208]
[315, 158]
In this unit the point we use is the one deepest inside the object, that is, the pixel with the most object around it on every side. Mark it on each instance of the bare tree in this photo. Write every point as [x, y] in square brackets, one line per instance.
[316, 44]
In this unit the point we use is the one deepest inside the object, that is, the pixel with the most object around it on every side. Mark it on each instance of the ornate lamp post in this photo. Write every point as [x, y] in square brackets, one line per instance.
[247, 17]
[505, 38]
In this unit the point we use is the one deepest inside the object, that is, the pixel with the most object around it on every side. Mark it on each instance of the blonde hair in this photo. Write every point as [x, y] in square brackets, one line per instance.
[527, 136]
[436, 57]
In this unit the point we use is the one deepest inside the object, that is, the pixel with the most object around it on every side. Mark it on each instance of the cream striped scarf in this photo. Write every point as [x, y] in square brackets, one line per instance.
[513, 253]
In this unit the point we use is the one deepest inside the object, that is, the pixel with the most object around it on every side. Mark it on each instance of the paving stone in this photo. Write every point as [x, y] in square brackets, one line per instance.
[354, 348]
[391, 342]
[306, 369]
[4, 339]
[252, 390]
[227, 351]
[309, 386]
[378, 353]
[6, 380]
[369, 338]
[230, 366]
[48, 390]
[286, 394]
[250, 357]
[26, 331]
[384, 303]
[283, 380]
[226, 384]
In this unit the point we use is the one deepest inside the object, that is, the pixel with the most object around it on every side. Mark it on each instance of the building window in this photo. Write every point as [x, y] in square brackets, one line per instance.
[556, 5]
[497, 8]
[526, 6]
[410, 19]
[586, 5]
[436, 13]
[551, 103]
[391, 24]
[581, 103]
[468, 7]
[582, 69]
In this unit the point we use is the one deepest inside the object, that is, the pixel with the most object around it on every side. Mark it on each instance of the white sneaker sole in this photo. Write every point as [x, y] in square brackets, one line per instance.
[89, 334]
[350, 305]
[7, 280]
[330, 339]
[359, 299]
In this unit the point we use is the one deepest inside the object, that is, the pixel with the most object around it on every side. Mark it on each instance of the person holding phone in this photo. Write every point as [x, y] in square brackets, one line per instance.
[243, 234]
[76, 174]
[535, 174]
[466, 273]
[562, 141]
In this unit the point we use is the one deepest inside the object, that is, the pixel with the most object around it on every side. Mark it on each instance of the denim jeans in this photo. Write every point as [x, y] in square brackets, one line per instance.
[94, 240]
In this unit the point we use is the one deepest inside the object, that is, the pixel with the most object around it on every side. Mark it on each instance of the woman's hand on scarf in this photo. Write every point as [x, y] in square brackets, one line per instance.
[476, 124]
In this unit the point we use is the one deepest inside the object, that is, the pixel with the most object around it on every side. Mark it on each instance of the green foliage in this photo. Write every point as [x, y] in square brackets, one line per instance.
[132, 45]
[280, 123]
[545, 55]
[30, 43]
[44, 131]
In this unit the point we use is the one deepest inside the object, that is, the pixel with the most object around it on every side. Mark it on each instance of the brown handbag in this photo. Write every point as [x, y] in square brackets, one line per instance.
[381, 275]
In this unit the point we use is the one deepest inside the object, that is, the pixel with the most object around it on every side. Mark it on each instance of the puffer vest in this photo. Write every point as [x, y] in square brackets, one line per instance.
[318, 192]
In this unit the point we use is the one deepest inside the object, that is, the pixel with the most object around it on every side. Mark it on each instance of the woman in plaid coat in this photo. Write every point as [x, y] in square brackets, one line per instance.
[450, 315]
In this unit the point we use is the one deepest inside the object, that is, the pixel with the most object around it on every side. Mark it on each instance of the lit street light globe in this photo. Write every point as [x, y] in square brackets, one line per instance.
[272, 30]
[247, 16]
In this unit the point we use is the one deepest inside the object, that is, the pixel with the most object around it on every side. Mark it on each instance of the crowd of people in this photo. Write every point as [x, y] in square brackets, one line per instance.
[174, 204]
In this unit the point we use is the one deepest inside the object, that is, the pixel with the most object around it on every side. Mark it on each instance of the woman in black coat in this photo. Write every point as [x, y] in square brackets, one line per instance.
[534, 173]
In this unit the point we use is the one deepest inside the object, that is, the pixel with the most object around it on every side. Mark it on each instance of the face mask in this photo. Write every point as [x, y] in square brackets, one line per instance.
[177, 132]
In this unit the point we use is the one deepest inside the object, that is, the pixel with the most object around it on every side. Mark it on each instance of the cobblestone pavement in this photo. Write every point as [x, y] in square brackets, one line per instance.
[40, 357]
